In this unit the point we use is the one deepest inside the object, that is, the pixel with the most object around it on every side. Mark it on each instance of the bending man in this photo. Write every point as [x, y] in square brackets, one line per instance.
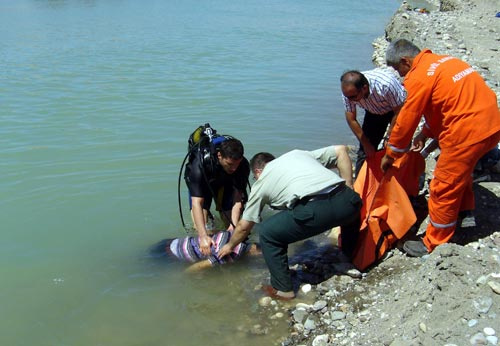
[460, 111]
[222, 177]
[313, 199]
[381, 95]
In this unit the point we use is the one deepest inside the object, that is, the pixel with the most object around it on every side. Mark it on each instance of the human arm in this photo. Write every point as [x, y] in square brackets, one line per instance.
[236, 210]
[198, 266]
[395, 94]
[200, 225]
[196, 182]
[241, 232]
[344, 164]
[393, 120]
[419, 93]
[240, 182]
[387, 160]
[393, 152]
[358, 132]
[335, 156]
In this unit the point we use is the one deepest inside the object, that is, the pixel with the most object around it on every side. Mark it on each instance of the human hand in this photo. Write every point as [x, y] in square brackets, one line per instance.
[386, 163]
[205, 244]
[418, 142]
[225, 250]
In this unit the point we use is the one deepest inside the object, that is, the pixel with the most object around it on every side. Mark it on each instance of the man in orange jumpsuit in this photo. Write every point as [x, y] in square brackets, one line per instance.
[460, 111]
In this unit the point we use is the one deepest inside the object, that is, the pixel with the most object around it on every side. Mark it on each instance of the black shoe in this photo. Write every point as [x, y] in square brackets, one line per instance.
[415, 248]
[468, 219]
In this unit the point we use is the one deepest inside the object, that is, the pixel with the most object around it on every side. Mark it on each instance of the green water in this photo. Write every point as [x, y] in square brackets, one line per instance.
[97, 99]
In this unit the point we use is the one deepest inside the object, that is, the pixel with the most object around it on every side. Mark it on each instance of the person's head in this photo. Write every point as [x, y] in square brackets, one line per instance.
[230, 154]
[258, 162]
[354, 85]
[400, 55]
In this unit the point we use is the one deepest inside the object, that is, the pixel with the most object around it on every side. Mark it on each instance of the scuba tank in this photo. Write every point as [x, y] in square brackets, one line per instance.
[203, 141]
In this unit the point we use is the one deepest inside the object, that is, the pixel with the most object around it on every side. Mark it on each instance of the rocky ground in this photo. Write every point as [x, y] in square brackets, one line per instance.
[466, 29]
[450, 297]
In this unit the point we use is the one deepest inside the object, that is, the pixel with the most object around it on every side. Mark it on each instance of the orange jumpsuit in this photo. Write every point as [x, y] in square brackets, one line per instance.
[461, 111]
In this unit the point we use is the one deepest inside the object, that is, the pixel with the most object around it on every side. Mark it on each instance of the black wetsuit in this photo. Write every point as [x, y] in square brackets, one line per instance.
[210, 178]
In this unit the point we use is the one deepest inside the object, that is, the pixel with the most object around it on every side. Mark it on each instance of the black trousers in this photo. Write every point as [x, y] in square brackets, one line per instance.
[307, 219]
[374, 127]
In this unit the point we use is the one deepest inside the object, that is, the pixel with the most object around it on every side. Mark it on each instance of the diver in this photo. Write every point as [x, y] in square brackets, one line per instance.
[216, 170]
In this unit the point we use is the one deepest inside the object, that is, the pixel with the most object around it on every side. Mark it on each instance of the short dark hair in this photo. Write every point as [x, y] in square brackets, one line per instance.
[231, 148]
[260, 160]
[354, 77]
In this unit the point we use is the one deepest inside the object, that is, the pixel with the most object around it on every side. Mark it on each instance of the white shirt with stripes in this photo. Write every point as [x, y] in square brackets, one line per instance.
[386, 93]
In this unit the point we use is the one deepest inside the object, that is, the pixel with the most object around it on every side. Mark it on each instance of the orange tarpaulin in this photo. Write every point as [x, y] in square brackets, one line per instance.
[387, 213]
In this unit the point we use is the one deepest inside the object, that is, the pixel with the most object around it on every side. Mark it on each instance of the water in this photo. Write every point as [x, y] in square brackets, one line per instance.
[97, 101]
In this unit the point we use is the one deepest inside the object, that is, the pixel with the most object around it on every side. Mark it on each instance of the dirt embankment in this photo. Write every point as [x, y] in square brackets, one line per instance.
[452, 296]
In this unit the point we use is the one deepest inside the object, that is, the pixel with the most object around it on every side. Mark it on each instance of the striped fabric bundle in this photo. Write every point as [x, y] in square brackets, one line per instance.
[188, 248]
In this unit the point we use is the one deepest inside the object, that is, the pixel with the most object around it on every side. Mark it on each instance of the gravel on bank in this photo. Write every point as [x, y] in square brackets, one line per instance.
[466, 29]
[450, 297]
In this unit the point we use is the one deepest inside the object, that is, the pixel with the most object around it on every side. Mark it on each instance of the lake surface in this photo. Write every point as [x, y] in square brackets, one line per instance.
[97, 101]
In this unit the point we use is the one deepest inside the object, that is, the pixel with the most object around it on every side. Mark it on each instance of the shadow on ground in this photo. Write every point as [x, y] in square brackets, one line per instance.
[315, 261]
[487, 212]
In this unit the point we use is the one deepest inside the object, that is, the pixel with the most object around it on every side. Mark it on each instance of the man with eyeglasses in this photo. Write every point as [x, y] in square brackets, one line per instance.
[381, 95]
[312, 198]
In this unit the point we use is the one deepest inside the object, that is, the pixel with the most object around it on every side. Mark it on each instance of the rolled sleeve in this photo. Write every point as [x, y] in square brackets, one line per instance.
[327, 156]
[255, 203]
